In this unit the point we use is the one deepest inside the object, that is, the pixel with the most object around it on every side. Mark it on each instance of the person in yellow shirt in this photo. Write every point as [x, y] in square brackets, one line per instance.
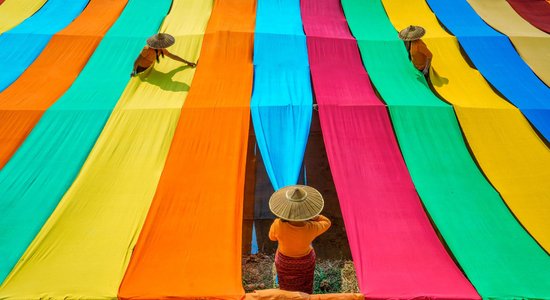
[154, 50]
[299, 222]
[420, 55]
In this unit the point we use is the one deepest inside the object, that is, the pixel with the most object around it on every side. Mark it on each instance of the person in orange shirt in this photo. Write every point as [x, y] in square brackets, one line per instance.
[154, 50]
[298, 208]
[420, 55]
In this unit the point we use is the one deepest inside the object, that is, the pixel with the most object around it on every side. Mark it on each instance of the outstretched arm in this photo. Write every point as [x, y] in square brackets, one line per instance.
[175, 57]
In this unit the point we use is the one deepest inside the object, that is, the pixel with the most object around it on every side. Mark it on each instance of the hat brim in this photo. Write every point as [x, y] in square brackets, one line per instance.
[156, 43]
[406, 36]
[289, 210]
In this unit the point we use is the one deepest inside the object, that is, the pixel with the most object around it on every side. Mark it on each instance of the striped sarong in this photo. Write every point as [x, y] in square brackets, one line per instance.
[295, 273]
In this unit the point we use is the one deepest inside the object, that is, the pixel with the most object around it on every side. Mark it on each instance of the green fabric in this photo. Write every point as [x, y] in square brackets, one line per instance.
[495, 252]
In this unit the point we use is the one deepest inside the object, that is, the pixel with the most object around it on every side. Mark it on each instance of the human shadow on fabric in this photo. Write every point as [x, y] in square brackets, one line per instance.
[438, 80]
[165, 81]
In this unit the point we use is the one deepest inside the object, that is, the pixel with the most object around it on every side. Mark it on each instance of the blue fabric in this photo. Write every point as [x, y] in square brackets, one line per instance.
[40, 172]
[495, 57]
[20, 46]
[282, 97]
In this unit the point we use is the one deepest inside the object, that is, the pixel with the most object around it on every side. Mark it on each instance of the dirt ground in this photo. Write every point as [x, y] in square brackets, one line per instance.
[331, 276]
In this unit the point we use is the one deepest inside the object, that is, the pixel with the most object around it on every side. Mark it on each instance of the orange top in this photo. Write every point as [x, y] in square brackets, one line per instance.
[148, 56]
[419, 54]
[295, 241]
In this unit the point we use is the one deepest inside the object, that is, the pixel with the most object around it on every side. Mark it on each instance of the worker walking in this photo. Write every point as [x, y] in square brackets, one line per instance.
[420, 55]
[299, 222]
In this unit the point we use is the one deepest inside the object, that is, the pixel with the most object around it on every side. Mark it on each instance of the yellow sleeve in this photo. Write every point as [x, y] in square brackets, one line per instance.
[274, 230]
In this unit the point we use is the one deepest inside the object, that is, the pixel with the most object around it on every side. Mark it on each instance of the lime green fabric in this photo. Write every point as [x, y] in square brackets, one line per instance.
[497, 255]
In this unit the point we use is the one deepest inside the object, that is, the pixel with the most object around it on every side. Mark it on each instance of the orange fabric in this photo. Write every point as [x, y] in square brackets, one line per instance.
[52, 73]
[148, 57]
[420, 54]
[276, 294]
[295, 241]
[190, 244]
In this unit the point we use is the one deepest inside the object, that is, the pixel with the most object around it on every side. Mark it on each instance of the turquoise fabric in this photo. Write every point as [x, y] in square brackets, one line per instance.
[282, 98]
[39, 173]
[497, 255]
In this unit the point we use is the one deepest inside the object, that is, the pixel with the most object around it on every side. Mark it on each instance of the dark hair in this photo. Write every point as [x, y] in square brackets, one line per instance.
[157, 54]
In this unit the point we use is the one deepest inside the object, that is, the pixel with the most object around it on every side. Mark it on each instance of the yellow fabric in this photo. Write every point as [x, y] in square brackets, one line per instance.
[295, 241]
[531, 43]
[510, 153]
[84, 248]
[13, 12]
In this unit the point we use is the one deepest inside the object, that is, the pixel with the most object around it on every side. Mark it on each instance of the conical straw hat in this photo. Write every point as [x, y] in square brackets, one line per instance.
[161, 40]
[412, 33]
[296, 203]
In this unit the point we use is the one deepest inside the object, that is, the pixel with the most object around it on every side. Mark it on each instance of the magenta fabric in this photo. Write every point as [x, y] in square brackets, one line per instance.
[536, 12]
[396, 252]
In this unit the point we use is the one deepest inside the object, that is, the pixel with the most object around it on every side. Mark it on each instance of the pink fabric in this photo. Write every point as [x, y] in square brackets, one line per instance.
[395, 250]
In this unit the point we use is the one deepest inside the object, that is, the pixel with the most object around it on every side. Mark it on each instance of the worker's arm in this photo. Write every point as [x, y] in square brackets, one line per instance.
[427, 67]
[429, 56]
[321, 224]
[273, 230]
[175, 57]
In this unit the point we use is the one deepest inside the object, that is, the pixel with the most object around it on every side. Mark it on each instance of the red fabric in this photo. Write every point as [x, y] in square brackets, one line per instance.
[536, 12]
[296, 273]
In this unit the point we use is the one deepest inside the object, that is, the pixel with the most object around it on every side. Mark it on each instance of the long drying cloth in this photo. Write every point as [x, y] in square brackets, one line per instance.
[510, 153]
[14, 12]
[497, 255]
[536, 12]
[382, 212]
[130, 152]
[42, 170]
[199, 199]
[494, 55]
[531, 43]
[281, 103]
[52, 73]
[20, 46]
[21, 106]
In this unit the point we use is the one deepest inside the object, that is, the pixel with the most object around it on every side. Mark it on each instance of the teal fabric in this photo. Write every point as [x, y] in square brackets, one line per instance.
[497, 255]
[39, 173]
